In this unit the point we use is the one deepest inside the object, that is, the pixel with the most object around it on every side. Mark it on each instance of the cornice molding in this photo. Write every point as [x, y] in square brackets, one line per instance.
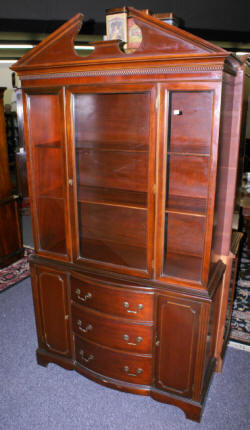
[122, 72]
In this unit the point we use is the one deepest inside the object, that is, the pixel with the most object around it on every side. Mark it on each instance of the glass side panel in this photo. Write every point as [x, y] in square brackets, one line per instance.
[187, 166]
[47, 159]
[112, 147]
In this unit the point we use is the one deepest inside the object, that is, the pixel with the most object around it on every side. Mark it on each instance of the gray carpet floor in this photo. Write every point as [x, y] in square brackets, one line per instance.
[33, 397]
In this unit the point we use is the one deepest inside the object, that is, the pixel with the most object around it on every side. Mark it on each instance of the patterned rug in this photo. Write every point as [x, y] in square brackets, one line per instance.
[16, 272]
[240, 323]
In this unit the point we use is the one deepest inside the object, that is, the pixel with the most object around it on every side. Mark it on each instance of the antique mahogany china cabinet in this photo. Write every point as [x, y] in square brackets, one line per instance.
[132, 160]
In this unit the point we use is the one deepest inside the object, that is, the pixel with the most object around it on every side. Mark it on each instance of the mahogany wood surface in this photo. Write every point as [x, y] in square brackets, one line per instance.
[125, 169]
[178, 331]
[111, 299]
[52, 290]
[230, 139]
[127, 367]
[112, 332]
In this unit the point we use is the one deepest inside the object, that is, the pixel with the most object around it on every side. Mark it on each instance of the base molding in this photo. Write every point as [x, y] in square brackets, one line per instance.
[44, 358]
[192, 410]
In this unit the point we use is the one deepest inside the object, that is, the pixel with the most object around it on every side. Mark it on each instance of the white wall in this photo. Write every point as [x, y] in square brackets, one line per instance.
[5, 81]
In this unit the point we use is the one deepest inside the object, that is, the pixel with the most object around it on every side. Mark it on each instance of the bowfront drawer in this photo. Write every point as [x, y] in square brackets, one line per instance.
[117, 301]
[112, 332]
[118, 365]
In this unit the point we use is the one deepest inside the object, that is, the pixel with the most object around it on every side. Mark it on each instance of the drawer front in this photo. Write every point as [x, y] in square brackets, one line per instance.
[121, 302]
[112, 332]
[122, 366]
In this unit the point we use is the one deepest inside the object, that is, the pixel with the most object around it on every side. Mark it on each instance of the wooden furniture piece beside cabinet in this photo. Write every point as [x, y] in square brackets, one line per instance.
[10, 235]
[132, 162]
[21, 165]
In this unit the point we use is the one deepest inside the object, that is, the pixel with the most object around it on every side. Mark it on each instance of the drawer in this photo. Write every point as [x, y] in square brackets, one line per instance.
[112, 332]
[113, 364]
[122, 302]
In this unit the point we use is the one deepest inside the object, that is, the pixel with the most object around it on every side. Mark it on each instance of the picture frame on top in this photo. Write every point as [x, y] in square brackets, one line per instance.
[116, 26]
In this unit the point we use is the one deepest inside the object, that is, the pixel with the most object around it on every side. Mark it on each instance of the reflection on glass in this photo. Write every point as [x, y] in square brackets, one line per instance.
[44, 124]
[111, 144]
[187, 167]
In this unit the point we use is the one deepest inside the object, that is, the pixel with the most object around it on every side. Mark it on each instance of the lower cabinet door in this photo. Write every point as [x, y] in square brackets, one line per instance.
[52, 311]
[178, 326]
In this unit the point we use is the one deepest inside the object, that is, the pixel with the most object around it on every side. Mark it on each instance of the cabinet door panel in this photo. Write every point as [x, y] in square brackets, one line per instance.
[114, 136]
[54, 305]
[46, 154]
[178, 332]
[187, 146]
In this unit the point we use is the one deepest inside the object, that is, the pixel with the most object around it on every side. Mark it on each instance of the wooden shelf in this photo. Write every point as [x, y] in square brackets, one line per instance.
[192, 154]
[111, 146]
[113, 196]
[183, 212]
[186, 204]
[112, 204]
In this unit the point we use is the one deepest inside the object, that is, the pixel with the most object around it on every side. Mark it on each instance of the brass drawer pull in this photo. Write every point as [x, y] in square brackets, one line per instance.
[85, 298]
[139, 308]
[86, 359]
[86, 329]
[138, 371]
[139, 339]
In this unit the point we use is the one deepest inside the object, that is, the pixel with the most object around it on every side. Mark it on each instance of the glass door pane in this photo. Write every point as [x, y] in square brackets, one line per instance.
[112, 154]
[47, 160]
[187, 166]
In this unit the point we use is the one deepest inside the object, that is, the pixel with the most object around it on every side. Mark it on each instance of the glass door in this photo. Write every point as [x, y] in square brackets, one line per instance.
[187, 163]
[114, 140]
[46, 151]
